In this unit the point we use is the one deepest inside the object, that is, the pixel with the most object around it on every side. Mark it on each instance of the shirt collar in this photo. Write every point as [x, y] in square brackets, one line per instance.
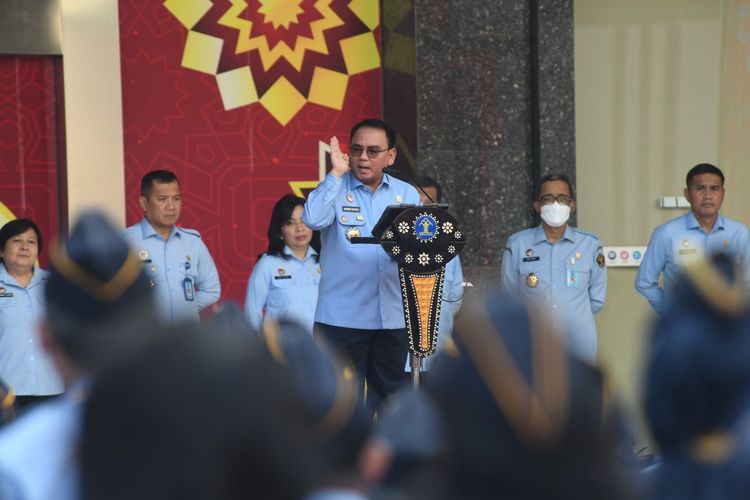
[310, 252]
[692, 223]
[36, 276]
[540, 236]
[354, 183]
[148, 230]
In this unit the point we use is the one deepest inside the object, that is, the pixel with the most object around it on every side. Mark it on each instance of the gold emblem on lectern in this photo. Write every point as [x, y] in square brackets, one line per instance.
[532, 280]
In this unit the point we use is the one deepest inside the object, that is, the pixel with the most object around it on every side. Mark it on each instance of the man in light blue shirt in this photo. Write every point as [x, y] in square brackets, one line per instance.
[558, 267]
[180, 268]
[699, 232]
[359, 300]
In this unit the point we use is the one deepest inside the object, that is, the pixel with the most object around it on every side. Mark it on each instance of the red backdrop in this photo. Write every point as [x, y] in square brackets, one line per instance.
[237, 145]
[31, 144]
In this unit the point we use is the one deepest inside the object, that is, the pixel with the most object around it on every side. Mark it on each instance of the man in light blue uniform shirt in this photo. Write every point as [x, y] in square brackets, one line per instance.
[180, 268]
[359, 302]
[558, 267]
[700, 231]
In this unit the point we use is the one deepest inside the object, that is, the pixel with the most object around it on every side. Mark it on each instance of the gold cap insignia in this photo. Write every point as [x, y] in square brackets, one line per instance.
[281, 271]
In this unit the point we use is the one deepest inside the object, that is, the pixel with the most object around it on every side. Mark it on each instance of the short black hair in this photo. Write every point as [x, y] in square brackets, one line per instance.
[16, 227]
[281, 214]
[426, 182]
[556, 177]
[703, 168]
[379, 124]
[160, 176]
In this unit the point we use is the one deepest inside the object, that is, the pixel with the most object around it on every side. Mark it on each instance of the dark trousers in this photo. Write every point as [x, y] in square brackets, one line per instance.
[378, 356]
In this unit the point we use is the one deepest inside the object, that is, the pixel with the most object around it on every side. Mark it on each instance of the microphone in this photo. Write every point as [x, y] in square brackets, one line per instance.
[411, 180]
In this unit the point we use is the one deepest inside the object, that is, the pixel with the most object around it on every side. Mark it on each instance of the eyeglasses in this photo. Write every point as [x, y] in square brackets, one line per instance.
[372, 151]
[562, 199]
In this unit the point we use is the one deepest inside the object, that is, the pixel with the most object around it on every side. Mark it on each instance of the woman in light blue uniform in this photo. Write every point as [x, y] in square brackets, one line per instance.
[24, 364]
[284, 282]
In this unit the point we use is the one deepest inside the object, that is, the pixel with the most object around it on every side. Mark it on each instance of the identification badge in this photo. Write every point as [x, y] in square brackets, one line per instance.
[532, 280]
[572, 278]
[187, 287]
[530, 259]
[284, 277]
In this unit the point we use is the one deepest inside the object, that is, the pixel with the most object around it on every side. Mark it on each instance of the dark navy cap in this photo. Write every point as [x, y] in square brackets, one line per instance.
[94, 273]
[328, 387]
[698, 378]
[99, 304]
[522, 415]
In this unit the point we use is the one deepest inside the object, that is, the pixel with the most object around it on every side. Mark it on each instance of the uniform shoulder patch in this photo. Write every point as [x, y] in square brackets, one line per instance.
[600, 258]
[193, 232]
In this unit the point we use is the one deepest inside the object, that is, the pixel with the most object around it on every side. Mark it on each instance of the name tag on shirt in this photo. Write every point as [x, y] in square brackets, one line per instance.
[350, 209]
[284, 277]
[6, 294]
[531, 259]
[572, 279]
[689, 251]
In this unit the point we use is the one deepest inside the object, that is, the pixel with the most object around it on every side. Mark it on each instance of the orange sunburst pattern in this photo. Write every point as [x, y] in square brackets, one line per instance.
[280, 54]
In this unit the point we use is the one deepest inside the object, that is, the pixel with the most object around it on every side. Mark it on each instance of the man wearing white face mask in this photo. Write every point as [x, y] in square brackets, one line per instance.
[559, 267]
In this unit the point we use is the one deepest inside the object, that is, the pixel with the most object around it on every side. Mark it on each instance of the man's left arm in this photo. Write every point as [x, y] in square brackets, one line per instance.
[598, 281]
[744, 257]
[453, 287]
[208, 286]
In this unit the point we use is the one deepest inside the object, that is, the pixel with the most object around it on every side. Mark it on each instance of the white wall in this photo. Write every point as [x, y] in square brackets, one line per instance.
[93, 107]
[648, 78]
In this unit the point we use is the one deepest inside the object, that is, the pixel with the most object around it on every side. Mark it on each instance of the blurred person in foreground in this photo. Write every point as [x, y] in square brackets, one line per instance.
[98, 308]
[697, 396]
[509, 411]
[203, 413]
[24, 364]
[328, 387]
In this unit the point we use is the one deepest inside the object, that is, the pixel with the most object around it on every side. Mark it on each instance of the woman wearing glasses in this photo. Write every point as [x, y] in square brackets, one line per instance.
[24, 365]
[284, 282]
